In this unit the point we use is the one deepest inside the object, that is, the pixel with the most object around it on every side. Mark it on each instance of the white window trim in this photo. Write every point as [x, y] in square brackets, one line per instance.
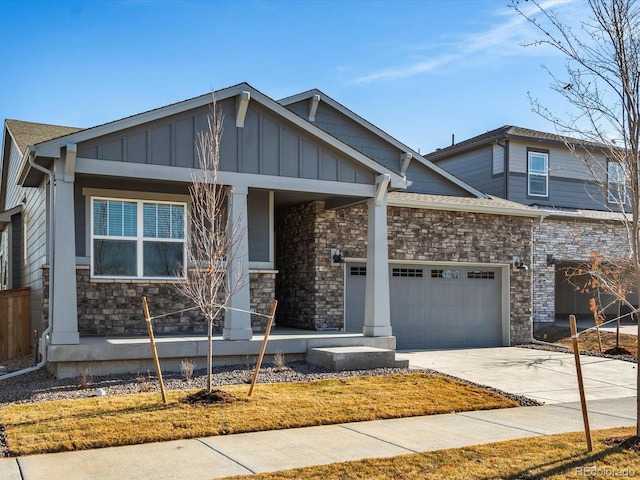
[537, 174]
[139, 238]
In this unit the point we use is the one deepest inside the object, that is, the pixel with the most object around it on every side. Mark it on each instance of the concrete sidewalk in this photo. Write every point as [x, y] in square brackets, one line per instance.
[544, 375]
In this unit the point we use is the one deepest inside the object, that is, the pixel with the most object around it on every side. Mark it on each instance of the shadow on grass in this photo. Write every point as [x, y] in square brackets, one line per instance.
[562, 466]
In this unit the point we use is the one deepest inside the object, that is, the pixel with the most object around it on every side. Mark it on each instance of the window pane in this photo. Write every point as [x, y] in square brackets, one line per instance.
[163, 259]
[114, 257]
[150, 219]
[100, 217]
[114, 219]
[538, 163]
[177, 221]
[130, 219]
[164, 221]
[537, 185]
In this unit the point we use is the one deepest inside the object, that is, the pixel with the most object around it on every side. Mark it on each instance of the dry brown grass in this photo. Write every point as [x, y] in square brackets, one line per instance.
[553, 457]
[588, 341]
[131, 419]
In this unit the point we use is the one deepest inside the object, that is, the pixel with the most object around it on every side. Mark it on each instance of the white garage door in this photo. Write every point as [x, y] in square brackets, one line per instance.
[434, 306]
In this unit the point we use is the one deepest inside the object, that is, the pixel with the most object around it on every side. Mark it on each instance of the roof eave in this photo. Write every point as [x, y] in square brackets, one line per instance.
[485, 209]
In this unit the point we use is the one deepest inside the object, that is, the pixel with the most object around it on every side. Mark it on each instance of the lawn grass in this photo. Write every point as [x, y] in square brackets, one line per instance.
[588, 341]
[552, 457]
[141, 418]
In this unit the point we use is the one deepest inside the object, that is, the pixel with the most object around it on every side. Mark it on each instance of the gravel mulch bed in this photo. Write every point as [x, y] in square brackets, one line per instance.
[40, 386]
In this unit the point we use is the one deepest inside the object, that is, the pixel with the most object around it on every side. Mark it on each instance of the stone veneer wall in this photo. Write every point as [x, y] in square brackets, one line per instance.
[568, 240]
[311, 287]
[113, 307]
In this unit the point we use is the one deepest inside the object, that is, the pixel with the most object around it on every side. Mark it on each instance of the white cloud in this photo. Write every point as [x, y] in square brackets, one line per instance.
[503, 40]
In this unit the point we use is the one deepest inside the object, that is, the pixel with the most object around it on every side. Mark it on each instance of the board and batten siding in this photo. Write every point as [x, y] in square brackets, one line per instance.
[266, 145]
[348, 131]
[352, 133]
[477, 168]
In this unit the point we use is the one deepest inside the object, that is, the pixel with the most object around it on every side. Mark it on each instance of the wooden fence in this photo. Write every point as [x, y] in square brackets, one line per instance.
[15, 338]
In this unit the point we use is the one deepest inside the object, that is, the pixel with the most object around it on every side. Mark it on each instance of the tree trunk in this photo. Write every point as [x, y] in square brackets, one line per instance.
[209, 355]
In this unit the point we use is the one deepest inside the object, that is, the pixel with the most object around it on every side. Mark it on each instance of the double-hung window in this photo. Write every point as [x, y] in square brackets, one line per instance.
[616, 183]
[538, 174]
[137, 238]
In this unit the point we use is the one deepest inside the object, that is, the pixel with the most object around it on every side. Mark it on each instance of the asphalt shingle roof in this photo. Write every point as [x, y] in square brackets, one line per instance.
[30, 133]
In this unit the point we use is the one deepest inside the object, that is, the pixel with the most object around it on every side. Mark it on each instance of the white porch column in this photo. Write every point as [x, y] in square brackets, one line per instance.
[377, 313]
[237, 324]
[62, 274]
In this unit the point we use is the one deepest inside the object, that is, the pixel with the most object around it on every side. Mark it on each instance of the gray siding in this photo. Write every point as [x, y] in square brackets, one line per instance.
[426, 180]
[563, 192]
[562, 163]
[257, 215]
[266, 145]
[29, 238]
[259, 226]
[362, 139]
[476, 169]
[351, 133]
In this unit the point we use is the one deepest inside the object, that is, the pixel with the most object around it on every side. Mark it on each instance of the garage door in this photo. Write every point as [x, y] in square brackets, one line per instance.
[434, 306]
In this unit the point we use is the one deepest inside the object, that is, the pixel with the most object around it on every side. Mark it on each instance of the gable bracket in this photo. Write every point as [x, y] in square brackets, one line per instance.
[313, 107]
[382, 182]
[242, 104]
[406, 159]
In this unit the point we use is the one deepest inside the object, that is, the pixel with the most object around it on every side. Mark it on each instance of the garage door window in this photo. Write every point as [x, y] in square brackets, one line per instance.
[480, 275]
[407, 272]
[358, 271]
[448, 273]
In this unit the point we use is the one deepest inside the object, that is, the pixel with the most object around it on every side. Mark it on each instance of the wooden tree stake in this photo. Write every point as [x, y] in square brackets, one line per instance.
[264, 346]
[583, 400]
[154, 350]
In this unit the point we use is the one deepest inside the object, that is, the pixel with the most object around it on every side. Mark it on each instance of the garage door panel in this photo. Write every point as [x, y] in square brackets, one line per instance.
[436, 306]
[410, 338]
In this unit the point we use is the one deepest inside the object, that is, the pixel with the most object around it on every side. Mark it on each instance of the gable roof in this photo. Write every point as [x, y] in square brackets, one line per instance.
[508, 132]
[30, 133]
[52, 147]
[382, 134]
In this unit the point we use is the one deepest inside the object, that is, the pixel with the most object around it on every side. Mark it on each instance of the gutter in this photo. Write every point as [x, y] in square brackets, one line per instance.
[45, 334]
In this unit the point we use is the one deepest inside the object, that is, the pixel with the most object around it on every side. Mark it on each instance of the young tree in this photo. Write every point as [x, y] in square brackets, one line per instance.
[602, 85]
[212, 235]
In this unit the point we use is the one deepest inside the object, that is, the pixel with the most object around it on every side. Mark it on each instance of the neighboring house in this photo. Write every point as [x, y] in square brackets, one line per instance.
[539, 169]
[423, 256]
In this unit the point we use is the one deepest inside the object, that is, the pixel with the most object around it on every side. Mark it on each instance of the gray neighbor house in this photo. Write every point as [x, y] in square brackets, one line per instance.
[362, 240]
[580, 215]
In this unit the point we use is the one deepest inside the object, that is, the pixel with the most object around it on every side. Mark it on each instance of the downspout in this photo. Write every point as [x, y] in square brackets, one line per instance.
[45, 334]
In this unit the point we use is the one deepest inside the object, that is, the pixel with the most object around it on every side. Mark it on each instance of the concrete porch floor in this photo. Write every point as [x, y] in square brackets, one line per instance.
[114, 355]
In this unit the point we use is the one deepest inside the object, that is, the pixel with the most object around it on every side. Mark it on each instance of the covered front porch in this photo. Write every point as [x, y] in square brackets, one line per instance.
[117, 355]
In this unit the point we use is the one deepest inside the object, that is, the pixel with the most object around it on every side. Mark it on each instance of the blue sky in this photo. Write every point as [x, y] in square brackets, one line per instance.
[421, 70]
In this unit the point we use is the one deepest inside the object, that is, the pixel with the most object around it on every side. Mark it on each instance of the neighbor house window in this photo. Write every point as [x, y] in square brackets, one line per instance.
[538, 174]
[616, 183]
[137, 238]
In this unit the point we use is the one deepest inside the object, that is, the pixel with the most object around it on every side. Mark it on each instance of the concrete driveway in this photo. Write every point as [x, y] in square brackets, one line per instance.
[548, 377]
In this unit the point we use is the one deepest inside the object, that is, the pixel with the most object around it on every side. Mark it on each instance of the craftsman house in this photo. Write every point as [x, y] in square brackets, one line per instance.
[361, 239]
[580, 215]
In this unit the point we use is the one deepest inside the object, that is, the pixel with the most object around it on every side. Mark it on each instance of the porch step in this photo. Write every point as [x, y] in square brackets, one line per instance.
[354, 358]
